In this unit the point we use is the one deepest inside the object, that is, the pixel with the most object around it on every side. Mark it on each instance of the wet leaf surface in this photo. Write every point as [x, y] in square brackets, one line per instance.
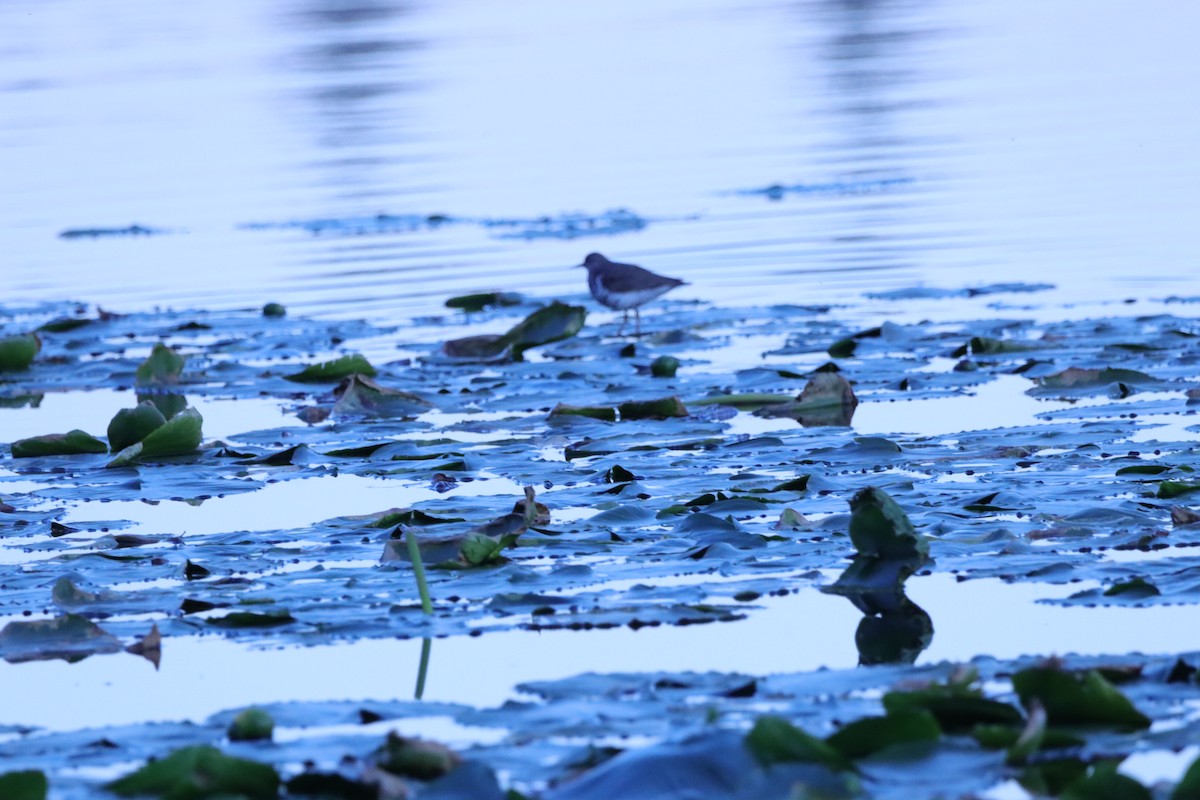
[696, 516]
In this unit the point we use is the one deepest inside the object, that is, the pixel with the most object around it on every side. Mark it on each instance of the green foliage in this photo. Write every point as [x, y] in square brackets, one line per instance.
[252, 724]
[180, 435]
[131, 425]
[72, 443]
[23, 785]
[1077, 698]
[193, 773]
[18, 352]
[868, 735]
[161, 368]
[274, 310]
[774, 740]
[334, 370]
[664, 367]
[879, 528]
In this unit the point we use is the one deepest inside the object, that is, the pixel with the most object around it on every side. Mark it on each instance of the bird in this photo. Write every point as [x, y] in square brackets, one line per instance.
[624, 286]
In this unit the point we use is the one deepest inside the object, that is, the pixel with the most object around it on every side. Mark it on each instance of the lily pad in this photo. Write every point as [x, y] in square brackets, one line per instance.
[482, 300]
[72, 443]
[18, 352]
[161, 368]
[198, 772]
[334, 370]
[250, 725]
[180, 435]
[132, 425]
[27, 784]
[358, 394]
[869, 735]
[548, 324]
[1077, 698]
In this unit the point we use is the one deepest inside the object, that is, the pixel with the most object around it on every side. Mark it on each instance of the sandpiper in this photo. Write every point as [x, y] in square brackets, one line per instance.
[624, 286]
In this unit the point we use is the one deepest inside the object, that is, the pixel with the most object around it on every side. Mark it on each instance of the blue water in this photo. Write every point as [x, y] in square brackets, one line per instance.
[971, 143]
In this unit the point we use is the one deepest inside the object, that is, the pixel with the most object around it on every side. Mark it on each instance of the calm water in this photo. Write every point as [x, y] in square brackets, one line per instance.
[1023, 141]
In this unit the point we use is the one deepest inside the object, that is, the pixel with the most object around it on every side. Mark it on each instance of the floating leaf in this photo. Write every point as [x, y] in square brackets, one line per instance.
[131, 425]
[333, 371]
[774, 740]
[485, 349]
[548, 324]
[198, 772]
[606, 413]
[75, 442]
[1133, 588]
[416, 758]
[1188, 787]
[23, 785]
[985, 346]
[663, 408]
[1077, 698]
[65, 324]
[1079, 378]
[409, 516]
[745, 400]
[161, 368]
[1169, 489]
[1103, 782]
[180, 435]
[252, 619]
[827, 399]
[252, 724]
[879, 528]
[69, 637]
[358, 394]
[956, 707]
[18, 352]
[148, 647]
[872, 734]
[274, 310]
[482, 300]
[664, 367]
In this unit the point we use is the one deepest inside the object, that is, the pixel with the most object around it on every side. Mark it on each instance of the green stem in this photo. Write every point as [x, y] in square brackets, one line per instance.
[414, 553]
[426, 645]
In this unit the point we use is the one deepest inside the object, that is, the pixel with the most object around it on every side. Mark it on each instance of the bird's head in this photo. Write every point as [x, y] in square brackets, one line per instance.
[593, 261]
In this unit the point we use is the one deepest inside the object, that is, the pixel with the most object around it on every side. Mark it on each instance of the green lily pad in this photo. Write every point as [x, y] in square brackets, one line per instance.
[486, 348]
[1077, 698]
[275, 310]
[253, 619]
[1188, 787]
[192, 773]
[18, 352]
[178, 436]
[551, 323]
[334, 370]
[1103, 782]
[606, 413]
[868, 735]
[879, 528]
[662, 408]
[72, 443]
[131, 425]
[664, 367]
[27, 784]
[415, 758]
[250, 725]
[482, 300]
[161, 368]
[957, 706]
[1080, 378]
[774, 740]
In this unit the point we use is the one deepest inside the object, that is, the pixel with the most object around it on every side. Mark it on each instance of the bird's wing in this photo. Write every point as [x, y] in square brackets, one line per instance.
[631, 278]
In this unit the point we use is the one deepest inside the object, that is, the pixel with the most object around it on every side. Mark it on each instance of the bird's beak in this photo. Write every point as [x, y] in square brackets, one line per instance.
[578, 266]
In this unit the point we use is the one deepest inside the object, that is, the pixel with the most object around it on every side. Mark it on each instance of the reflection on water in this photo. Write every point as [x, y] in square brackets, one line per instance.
[1023, 151]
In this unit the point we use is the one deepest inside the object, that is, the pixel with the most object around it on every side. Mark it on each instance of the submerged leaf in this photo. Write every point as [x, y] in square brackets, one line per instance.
[161, 368]
[18, 352]
[69, 637]
[73, 443]
[485, 349]
[199, 772]
[335, 370]
[131, 425]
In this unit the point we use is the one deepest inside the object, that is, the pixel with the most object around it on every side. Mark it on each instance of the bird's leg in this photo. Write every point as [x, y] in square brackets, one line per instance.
[637, 315]
[624, 322]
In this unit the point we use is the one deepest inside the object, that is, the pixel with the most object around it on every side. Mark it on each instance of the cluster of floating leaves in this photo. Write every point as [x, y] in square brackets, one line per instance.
[638, 480]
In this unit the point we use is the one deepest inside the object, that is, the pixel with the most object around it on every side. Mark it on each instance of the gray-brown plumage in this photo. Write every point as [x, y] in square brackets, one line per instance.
[625, 286]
